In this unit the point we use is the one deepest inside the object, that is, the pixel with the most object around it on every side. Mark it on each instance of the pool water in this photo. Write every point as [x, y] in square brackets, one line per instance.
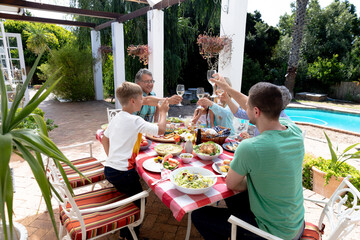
[345, 121]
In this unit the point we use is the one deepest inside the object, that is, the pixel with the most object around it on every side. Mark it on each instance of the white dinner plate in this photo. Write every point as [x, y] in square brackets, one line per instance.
[216, 170]
[152, 166]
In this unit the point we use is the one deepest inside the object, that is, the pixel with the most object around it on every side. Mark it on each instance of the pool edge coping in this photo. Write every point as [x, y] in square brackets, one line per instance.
[299, 105]
[328, 128]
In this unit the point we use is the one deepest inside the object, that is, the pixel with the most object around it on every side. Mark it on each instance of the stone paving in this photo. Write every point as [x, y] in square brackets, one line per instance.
[78, 122]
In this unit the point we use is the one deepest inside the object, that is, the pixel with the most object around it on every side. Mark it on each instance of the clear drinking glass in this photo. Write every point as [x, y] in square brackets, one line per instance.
[209, 75]
[200, 92]
[180, 90]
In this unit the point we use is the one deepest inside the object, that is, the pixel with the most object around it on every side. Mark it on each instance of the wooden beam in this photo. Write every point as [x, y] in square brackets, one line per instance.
[61, 9]
[138, 1]
[161, 5]
[46, 20]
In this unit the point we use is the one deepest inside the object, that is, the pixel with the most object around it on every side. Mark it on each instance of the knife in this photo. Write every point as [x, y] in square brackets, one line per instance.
[218, 169]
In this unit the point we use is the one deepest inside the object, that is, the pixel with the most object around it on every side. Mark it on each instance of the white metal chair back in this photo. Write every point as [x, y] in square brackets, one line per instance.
[342, 219]
[71, 209]
[64, 194]
[111, 113]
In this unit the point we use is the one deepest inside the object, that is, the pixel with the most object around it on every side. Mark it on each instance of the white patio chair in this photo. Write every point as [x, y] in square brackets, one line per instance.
[96, 213]
[112, 113]
[89, 166]
[342, 220]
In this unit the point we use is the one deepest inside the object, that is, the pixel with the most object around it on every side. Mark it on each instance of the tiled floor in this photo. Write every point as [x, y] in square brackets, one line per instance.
[78, 123]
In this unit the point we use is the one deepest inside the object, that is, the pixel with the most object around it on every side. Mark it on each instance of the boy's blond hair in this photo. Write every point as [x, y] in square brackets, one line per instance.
[126, 91]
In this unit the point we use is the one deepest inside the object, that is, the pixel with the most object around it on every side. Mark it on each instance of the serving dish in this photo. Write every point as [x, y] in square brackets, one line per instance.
[193, 170]
[163, 149]
[230, 147]
[162, 138]
[186, 157]
[142, 148]
[205, 156]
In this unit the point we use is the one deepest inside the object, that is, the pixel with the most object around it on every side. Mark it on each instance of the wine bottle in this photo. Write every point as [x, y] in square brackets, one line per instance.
[198, 136]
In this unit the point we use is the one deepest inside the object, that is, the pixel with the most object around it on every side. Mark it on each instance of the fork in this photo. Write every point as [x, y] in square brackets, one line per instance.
[161, 179]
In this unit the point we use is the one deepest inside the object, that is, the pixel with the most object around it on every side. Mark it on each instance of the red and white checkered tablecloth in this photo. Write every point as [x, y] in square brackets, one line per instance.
[178, 202]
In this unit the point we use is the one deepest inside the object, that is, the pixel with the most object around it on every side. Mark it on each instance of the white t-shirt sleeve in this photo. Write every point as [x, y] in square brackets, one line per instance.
[146, 127]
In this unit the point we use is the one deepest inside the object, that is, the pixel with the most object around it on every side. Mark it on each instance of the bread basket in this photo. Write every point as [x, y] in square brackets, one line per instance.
[219, 138]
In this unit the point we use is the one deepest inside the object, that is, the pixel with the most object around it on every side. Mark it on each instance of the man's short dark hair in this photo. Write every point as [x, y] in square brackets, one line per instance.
[267, 97]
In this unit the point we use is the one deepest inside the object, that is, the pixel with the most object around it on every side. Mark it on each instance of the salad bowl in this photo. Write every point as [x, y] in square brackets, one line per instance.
[198, 186]
[207, 156]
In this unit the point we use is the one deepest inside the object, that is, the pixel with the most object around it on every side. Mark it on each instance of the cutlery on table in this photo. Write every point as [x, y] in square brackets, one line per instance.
[163, 177]
[214, 176]
[219, 170]
[160, 180]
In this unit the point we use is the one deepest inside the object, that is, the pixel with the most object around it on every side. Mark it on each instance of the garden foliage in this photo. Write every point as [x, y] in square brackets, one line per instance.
[323, 164]
[30, 123]
[76, 64]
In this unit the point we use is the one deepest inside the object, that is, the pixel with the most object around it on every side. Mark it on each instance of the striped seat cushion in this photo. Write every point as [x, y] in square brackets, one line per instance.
[94, 173]
[311, 232]
[100, 222]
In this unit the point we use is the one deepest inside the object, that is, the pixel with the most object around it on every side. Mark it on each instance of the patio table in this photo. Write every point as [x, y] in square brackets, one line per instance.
[181, 203]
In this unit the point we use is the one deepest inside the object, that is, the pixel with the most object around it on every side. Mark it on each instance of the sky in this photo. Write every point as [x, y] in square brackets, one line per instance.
[270, 10]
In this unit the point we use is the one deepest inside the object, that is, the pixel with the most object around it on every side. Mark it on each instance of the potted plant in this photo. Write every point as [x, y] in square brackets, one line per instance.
[141, 51]
[327, 174]
[211, 46]
[30, 144]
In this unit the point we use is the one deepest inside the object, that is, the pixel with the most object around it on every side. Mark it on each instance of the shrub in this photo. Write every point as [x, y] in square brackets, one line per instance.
[29, 121]
[252, 74]
[328, 71]
[108, 76]
[76, 67]
[323, 164]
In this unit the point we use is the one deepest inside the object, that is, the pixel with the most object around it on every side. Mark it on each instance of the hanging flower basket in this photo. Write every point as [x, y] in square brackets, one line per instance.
[211, 46]
[141, 51]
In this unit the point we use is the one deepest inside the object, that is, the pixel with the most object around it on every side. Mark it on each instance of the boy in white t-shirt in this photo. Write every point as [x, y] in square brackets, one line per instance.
[122, 139]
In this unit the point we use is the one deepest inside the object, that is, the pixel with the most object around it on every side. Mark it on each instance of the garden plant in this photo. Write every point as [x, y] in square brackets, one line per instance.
[29, 144]
[336, 166]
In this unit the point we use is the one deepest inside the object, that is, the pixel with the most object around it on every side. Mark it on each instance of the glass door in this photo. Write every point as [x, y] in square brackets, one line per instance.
[12, 63]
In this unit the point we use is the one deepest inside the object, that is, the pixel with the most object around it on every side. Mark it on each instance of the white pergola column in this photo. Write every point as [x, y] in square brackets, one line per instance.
[233, 11]
[97, 66]
[156, 45]
[117, 31]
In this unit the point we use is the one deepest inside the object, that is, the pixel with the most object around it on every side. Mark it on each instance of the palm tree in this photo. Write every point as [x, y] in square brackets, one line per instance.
[39, 38]
[296, 44]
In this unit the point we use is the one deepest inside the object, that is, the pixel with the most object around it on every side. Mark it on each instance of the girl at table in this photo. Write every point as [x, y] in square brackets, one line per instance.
[203, 116]
[222, 113]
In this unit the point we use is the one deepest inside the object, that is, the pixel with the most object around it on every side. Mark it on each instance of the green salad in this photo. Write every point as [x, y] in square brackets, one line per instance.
[208, 148]
[174, 120]
[192, 180]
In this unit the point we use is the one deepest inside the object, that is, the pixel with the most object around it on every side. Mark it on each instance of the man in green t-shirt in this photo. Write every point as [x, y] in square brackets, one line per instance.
[267, 171]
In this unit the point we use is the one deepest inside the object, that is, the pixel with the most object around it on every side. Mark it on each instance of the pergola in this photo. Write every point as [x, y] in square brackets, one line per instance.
[233, 22]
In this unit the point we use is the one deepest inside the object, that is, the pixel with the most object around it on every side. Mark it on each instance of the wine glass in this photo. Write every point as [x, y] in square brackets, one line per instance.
[180, 90]
[219, 92]
[200, 92]
[209, 75]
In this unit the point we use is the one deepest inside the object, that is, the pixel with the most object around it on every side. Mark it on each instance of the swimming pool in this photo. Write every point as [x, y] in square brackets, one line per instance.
[345, 121]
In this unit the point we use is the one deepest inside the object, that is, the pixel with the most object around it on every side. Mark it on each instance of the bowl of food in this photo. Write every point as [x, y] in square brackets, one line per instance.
[186, 157]
[163, 149]
[192, 180]
[208, 150]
